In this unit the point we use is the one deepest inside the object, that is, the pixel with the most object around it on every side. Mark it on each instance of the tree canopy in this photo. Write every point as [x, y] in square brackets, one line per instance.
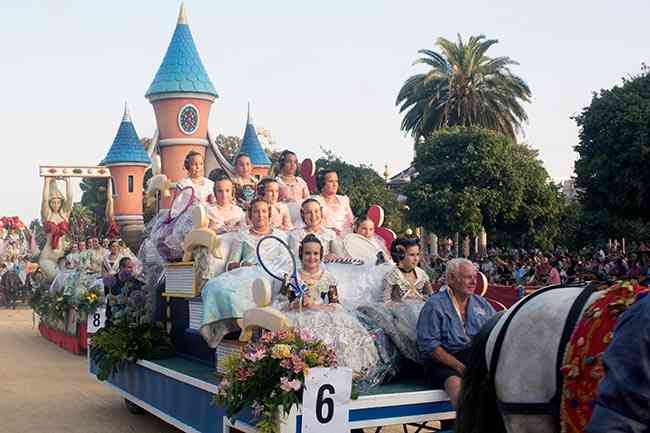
[365, 188]
[463, 87]
[612, 173]
[471, 177]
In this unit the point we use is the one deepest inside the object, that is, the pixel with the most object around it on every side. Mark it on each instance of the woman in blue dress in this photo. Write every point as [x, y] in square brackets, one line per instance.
[226, 297]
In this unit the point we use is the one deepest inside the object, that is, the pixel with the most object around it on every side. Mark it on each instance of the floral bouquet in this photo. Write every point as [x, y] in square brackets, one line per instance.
[271, 373]
[12, 223]
[89, 301]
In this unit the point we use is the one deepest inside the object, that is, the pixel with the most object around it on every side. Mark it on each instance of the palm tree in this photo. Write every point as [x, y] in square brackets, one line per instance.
[463, 87]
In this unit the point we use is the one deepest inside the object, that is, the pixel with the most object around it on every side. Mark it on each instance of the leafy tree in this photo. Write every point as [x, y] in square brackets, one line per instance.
[365, 188]
[614, 151]
[228, 145]
[463, 87]
[472, 177]
[93, 198]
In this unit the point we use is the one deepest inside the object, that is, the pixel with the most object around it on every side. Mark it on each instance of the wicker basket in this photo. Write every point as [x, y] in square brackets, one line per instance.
[224, 350]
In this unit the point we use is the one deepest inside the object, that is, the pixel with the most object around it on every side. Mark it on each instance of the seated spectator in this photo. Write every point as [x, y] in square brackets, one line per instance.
[123, 282]
[447, 322]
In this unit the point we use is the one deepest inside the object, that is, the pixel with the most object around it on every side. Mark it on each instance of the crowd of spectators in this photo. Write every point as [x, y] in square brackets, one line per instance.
[534, 267]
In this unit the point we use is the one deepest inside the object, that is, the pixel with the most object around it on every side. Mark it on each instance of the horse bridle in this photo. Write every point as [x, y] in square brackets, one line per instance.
[551, 407]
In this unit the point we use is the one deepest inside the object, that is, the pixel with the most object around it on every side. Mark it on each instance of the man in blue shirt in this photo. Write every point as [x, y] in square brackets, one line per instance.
[447, 322]
[623, 401]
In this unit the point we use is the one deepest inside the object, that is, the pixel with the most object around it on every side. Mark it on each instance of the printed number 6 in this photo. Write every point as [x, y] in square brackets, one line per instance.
[321, 401]
[96, 321]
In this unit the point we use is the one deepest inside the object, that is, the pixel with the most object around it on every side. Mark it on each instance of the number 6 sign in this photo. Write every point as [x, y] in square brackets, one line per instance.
[326, 400]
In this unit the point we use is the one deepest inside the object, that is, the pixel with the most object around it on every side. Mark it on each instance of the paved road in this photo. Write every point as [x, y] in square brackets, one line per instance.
[44, 389]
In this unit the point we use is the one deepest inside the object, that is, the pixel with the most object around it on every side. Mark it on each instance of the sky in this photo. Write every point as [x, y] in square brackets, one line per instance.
[317, 74]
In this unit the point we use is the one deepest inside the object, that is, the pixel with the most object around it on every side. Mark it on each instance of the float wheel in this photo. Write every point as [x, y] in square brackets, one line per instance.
[133, 408]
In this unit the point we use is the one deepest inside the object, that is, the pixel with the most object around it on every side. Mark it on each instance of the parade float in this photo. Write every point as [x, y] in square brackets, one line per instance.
[180, 254]
[65, 297]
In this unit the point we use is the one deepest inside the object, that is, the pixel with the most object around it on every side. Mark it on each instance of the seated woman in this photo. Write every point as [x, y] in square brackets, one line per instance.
[245, 183]
[311, 213]
[293, 190]
[406, 288]
[226, 297]
[269, 190]
[201, 185]
[336, 208]
[324, 317]
[224, 215]
[407, 282]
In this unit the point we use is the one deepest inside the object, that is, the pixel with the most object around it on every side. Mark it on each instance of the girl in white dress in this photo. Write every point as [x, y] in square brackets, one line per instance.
[336, 208]
[269, 190]
[201, 185]
[322, 314]
[293, 189]
[224, 215]
[312, 217]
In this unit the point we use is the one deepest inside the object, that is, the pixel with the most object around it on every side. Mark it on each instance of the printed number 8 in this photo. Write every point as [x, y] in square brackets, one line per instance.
[324, 401]
[96, 321]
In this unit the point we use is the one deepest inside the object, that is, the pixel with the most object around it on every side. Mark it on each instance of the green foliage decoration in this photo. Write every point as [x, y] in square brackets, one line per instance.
[130, 335]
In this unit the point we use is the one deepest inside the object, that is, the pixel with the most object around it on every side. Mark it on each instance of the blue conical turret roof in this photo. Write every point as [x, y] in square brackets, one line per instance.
[126, 148]
[181, 69]
[250, 144]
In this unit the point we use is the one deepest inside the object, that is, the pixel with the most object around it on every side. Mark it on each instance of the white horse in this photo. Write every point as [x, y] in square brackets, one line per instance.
[517, 392]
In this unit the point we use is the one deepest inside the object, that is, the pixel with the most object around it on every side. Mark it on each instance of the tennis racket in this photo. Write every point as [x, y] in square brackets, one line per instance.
[275, 256]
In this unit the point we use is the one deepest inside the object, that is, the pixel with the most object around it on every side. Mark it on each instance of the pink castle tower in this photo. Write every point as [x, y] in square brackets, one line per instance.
[182, 95]
[127, 161]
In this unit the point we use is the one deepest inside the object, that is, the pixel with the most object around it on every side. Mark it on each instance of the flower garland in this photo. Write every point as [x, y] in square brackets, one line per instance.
[271, 373]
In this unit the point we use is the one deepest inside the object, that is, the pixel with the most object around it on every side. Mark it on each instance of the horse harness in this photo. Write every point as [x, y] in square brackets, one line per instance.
[551, 407]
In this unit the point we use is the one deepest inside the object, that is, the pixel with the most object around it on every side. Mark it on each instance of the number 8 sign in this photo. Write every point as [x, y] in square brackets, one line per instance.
[326, 400]
[96, 320]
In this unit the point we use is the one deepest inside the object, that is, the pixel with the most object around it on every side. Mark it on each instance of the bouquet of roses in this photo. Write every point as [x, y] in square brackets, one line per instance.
[271, 373]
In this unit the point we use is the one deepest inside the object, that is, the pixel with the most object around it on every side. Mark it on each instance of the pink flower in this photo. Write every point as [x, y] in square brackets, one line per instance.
[290, 385]
[244, 373]
[267, 337]
[257, 408]
[255, 355]
[286, 364]
[298, 363]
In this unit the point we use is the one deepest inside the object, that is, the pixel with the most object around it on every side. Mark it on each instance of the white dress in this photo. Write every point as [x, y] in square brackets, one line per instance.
[203, 190]
[354, 345]
[325, 235]
[293, 194]
[337, 215]
[226, 219]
